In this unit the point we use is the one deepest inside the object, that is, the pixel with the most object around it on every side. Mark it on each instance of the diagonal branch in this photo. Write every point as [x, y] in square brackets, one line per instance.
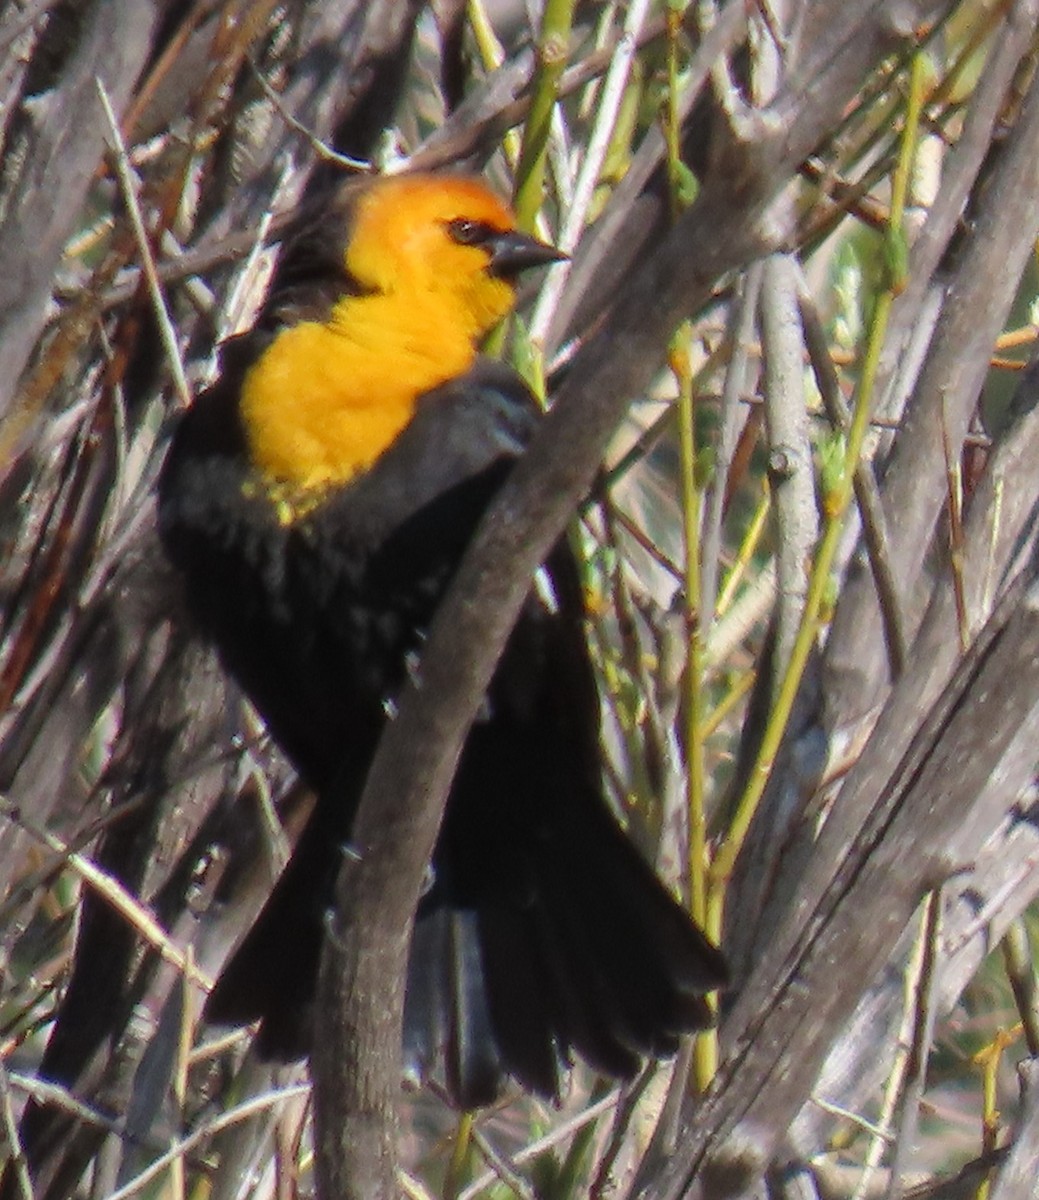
[360, 992]
[972, 749]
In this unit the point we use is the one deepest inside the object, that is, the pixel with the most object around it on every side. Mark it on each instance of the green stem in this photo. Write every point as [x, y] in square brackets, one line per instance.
[491, 56]
[695, 779]
[460, 1148]
[552, 49]
[835, 507]
[675, 10]
[705, 1050]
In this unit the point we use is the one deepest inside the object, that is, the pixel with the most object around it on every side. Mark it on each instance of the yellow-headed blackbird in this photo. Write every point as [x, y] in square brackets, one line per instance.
[317, 500]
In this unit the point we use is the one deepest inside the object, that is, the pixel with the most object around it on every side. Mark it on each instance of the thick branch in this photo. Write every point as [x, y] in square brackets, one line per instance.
[977, 299]
[973, 749]
[359, 992]
[62, 140]
[1017, 1175]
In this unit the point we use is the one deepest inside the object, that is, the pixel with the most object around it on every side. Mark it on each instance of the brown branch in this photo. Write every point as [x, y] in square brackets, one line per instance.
[360, 986]
[977, 297]
[63, 136]
[1018, 1174]
[863, 883]
[999, 537]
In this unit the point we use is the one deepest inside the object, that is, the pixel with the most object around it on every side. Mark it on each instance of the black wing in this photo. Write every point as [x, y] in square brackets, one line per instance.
[543, 933]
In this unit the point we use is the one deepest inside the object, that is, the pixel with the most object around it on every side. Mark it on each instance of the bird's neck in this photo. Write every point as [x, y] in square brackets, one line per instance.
[325, 400]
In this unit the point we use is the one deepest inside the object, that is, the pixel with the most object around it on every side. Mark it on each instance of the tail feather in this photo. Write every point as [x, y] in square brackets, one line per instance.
[523, 1010]
[446, 1017]
[620, 994]
[574, 1011]
[586, 1020]
[624, 969]
[580, 951]
[474, 1067]
[427, 1002]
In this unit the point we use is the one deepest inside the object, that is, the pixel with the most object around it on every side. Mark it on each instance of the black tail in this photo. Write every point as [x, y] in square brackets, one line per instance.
[595, 960]
[543, 936]
[271, 976]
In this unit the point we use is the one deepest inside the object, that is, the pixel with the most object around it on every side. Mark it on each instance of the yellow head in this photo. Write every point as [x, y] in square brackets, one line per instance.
[443, 236]
[435, 258]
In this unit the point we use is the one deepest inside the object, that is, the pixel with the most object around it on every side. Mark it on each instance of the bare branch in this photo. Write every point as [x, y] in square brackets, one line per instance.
[360, 988]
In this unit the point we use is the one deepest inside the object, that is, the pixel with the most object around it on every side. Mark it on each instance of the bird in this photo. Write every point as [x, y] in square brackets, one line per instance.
[316, 500]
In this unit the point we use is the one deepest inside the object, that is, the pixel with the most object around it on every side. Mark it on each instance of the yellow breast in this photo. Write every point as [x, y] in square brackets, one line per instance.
[324, 401]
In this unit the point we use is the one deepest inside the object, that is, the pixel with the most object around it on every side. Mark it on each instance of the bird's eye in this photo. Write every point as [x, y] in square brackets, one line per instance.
[466, 232]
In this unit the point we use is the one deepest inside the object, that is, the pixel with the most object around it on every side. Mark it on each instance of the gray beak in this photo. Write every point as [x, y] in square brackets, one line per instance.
[514, 252]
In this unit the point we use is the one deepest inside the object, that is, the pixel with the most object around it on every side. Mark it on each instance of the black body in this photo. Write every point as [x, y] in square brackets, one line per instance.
[543, 933]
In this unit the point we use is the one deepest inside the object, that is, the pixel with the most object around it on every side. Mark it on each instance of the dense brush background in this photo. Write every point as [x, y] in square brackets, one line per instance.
[777, 589]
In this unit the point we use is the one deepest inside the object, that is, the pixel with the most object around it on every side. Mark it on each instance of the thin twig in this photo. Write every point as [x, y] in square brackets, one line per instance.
[55, 1096]
[113, 892]
[1020, 969]
[867, 494]
[591, 166]
[882, 1135]
[125, 173]
[321, 149]
[954, 494]
[535, 1148]
[622, 1119]
[184, 1146]
[874, 1129]
[503, 1168]
[923, 1034]
[741, 325]
[16, 1160]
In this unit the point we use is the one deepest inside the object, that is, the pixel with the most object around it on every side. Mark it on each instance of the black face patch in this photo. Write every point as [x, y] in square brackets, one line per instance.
[467, 232]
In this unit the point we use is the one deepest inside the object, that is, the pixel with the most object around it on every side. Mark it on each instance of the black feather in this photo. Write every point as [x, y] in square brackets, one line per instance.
[543, 934]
